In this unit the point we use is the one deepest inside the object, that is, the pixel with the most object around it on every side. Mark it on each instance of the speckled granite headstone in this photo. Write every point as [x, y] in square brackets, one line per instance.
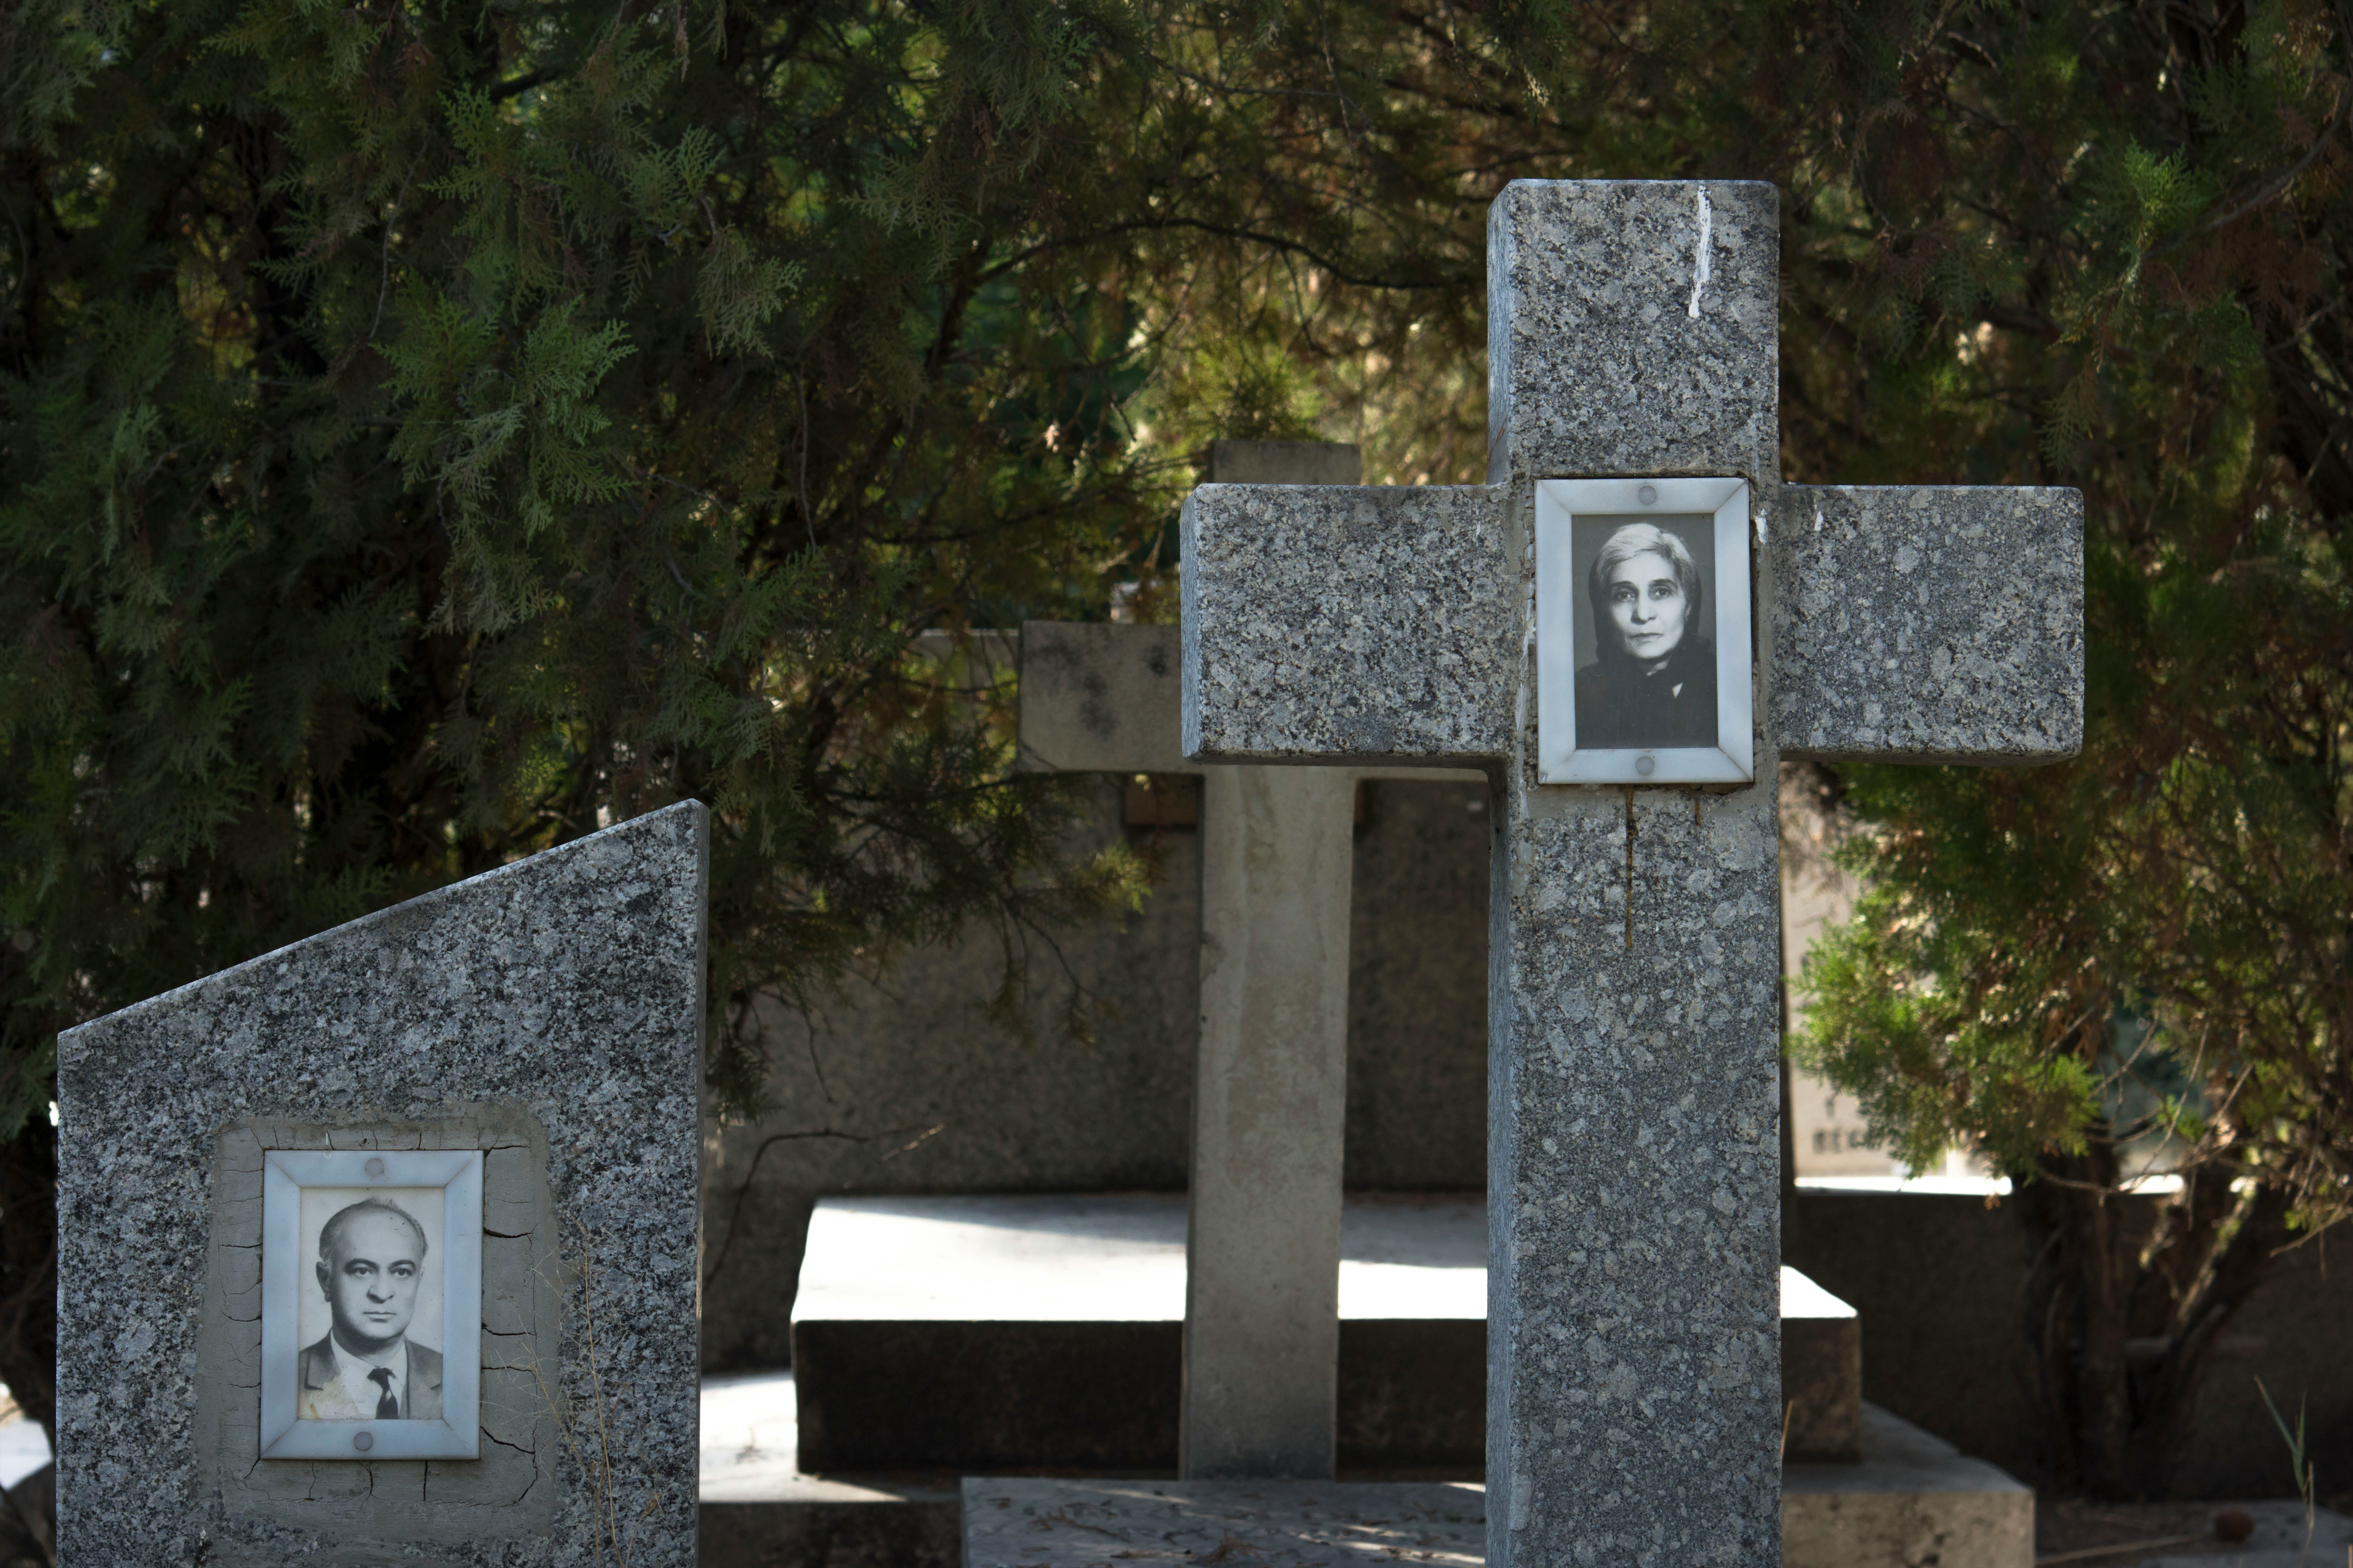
[549, 1014]
[1634, 1402]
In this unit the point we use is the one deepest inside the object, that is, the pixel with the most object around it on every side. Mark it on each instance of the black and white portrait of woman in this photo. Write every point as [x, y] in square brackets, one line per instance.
[1642, 634]
[1652, 681]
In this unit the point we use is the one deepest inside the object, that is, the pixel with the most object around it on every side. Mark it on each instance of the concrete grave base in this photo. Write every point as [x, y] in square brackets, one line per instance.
[1912, 1500]
[1822, 1374]
[1022, 1523]
[760, 1511]
[1001, 1333]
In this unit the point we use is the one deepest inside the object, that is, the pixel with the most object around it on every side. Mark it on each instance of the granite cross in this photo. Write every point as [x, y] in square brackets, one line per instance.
[1634, 1411]
[1270, 1094]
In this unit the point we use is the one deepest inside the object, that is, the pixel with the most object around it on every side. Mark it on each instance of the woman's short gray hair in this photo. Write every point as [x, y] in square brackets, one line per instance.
[1639, 539]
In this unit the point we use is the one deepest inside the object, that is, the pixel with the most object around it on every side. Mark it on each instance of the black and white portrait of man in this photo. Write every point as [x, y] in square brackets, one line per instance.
[1652, 677]
[371, 1275]
[371, 1304]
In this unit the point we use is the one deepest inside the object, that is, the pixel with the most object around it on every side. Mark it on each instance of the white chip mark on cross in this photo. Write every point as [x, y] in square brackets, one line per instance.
[1699, 253]
[1633, 1373]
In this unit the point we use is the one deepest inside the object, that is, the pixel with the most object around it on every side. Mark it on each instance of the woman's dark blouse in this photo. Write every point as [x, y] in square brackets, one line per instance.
[1619, 706]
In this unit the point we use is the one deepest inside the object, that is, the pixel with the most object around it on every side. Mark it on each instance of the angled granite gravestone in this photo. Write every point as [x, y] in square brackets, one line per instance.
[538, 1026]
[1270, 1096]
[1634, 1403]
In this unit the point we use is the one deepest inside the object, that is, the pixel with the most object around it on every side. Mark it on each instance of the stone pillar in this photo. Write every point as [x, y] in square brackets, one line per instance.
[1270, 1103]
[1633, 1146]
[1269, 1089]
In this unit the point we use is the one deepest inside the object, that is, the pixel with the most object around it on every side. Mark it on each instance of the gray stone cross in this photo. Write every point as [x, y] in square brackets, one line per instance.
[1634, 1411]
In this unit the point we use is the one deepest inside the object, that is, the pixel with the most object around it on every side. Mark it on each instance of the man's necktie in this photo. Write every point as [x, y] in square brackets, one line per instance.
[386, 1408]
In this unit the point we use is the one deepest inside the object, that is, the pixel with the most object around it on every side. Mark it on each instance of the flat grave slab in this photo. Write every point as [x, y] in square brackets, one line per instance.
[1113, 1258]
[758, 1511]
[1007, 1332]
[988, 1333]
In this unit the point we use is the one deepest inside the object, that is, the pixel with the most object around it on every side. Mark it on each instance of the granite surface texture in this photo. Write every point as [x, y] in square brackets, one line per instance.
[1633, 1396]
[1633, 327]
[1034, 1523]
[1633, 1408]
[549, 1011]
[1928, 624]
[1337, 624]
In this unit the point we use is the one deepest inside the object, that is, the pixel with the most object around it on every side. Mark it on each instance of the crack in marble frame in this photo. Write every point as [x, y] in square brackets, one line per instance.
[1560, 603]
[458, 1434]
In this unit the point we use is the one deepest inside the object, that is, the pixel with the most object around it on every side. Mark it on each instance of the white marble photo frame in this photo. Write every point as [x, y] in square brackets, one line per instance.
[1643, 640]
[371, 1304]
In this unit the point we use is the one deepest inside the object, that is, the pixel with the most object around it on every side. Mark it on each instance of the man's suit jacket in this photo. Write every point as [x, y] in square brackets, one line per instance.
[323, 1397]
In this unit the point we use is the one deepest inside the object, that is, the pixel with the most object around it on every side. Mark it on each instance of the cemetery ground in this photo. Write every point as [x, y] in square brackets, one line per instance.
[1938, 1273]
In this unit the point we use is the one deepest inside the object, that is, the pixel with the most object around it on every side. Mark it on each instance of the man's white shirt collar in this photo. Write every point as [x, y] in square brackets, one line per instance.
[363, 1390]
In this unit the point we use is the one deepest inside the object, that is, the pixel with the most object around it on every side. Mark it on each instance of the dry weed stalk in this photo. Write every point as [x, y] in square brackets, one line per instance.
[600, 1468]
